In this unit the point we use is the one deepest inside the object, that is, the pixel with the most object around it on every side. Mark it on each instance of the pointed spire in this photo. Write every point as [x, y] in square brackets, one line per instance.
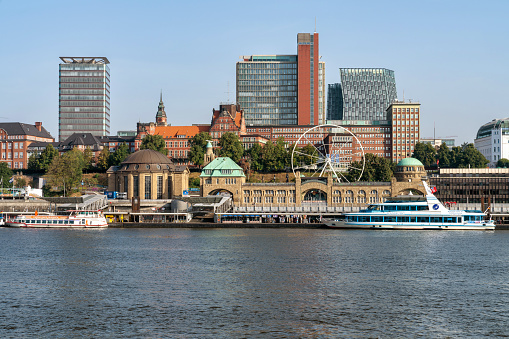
[161, 95]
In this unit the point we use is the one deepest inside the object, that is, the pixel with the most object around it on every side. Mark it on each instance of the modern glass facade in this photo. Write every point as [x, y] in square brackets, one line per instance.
[84, 96]
[334, 102]
[267, 89]
[367, 93]
[275, 90]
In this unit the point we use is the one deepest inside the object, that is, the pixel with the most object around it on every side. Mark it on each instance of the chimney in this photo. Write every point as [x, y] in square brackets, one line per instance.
[38, 125]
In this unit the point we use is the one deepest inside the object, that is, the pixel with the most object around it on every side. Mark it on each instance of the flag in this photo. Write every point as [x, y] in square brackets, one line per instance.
[434, 189]
[12, 180]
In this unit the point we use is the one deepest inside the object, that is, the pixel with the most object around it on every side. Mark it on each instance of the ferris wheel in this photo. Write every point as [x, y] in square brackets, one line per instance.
[328, 148]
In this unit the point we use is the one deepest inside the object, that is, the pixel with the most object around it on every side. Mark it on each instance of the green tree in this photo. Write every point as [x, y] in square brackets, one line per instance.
[88, 158]
[309, 154]
[282, 155]
[33, 162]
[269, 158]
[255, 154]
[473, 158]
[154, 142]
[230, 146]
[66, 171]
[5, 175]
[119, 155]
[503, 163]
[198, 147]
[42, 161]
[103, 159]
[194, 182]
[444, 156]
[375, 169]
[425, 153]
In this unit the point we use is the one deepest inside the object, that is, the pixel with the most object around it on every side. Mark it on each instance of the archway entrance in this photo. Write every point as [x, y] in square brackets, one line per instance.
[315, 196]
[221, 192]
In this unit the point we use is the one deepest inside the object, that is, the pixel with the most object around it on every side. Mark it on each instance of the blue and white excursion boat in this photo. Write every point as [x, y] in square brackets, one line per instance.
[412, 212]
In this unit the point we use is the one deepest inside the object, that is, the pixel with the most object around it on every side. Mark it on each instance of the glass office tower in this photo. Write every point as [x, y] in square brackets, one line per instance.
[367, 93]
[334, 102]
[84, 98]
[283, 89]
[267, 89]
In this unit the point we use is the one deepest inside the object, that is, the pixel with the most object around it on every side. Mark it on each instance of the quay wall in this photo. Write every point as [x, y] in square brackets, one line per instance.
[213, 225]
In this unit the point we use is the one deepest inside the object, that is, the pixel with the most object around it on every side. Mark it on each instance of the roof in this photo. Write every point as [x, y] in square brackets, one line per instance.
[82, 139]
[19, 128]
[174, 131]
[146, 156]
[230, 111]
[222, 167]
[116, 138]
[485, 130]
[410, 162]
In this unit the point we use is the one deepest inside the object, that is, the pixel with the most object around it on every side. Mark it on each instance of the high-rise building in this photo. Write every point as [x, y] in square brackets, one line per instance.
[334, 102]
[84, 98]
[367, 93]
[283, 89]
[405, 128]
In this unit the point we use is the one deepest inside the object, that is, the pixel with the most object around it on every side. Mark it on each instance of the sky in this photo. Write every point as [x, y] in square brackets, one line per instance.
[451, 56]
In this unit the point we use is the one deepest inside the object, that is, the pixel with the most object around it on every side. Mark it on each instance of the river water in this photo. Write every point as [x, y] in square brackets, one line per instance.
[235, 283]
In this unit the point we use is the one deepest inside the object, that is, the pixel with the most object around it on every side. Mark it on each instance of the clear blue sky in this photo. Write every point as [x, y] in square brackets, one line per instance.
[451, 56]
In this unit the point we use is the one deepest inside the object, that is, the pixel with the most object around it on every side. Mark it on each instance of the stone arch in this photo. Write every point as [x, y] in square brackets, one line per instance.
[219, 191]
[314, 195]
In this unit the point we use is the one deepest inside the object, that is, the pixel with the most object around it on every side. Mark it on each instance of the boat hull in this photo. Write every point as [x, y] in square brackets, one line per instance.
[459, 227]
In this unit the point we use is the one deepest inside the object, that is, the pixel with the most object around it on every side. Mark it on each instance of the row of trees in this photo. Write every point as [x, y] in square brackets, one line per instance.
[275, 157]
[462, 156]
[105, 159]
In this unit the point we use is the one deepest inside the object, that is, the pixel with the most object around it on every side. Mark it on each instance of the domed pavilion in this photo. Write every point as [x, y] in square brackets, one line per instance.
[148, 174]
[408, 177]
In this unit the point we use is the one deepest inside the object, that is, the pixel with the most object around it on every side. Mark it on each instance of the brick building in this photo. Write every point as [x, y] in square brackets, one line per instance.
[15, 139]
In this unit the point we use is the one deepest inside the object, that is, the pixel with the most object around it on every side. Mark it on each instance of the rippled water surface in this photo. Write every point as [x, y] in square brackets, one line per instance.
[253, 283]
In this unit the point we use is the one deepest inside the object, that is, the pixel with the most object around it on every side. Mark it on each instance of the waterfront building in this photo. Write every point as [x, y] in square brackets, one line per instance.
[223, 176]
[405, 121]
[148, 174]
[472, 185]
[492, 140]
[84, 96]
[334, 102]
[15, 140]
[283, 89]
[366, 93]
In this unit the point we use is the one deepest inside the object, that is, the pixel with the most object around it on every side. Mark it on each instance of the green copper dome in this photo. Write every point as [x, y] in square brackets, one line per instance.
[410, 162]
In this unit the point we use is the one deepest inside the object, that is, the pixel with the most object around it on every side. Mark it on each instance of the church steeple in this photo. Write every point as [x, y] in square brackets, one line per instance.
[161, 114]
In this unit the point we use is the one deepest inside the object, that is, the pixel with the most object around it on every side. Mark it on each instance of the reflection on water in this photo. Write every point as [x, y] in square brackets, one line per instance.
[253, 282]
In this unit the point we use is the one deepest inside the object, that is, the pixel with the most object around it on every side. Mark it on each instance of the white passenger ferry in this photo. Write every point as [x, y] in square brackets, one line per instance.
[413, 212]
[76, 219]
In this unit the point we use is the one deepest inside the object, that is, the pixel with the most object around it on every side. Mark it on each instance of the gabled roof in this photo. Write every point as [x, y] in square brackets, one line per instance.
[19, 128]
[222, 167]
[174, 131]
[81, 139]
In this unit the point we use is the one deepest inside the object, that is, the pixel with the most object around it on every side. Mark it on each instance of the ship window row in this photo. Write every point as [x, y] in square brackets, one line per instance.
[441, 220]
[53, 222]
[404, 208]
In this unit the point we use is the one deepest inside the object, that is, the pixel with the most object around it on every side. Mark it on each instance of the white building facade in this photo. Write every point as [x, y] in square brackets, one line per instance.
[492, 140]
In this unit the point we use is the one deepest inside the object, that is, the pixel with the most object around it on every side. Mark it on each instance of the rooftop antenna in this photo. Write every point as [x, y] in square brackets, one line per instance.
[315, 24]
